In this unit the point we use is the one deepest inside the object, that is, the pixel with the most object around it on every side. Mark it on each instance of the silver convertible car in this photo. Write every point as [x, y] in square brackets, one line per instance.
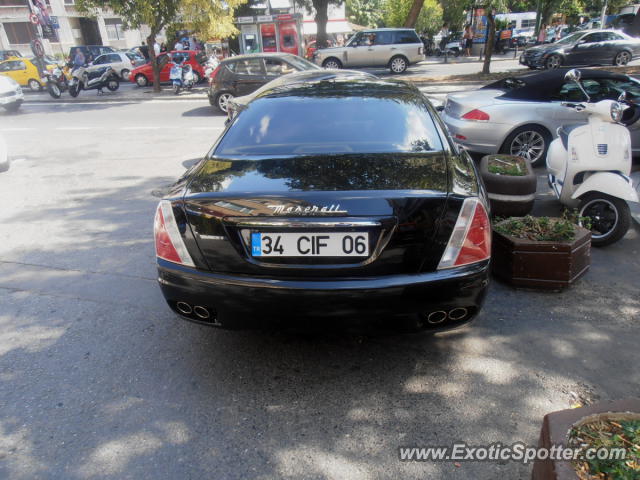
[520, 115]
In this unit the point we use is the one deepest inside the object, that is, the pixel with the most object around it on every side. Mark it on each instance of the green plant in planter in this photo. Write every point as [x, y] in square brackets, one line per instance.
[543, 229]
[507, 165]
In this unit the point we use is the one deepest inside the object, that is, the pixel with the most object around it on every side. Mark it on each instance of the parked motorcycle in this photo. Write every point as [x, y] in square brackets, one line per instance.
[182, 76]
[589, 165]
[83, 79]
[56, 82]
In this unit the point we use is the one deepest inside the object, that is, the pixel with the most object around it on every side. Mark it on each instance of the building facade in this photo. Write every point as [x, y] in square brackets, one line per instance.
[16, 31]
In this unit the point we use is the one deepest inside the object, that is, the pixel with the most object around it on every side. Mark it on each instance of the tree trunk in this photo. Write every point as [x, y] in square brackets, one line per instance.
[321, 22]
[412, 18]
[491, 40]
[151, 40]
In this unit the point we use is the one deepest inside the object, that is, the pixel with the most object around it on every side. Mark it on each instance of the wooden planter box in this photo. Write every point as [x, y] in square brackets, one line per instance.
[557, 425]
[543, 265]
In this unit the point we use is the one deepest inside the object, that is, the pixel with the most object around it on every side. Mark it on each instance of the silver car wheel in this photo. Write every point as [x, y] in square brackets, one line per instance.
[528, 144]
[332, 65]
[223, 101]
[398, 65]
[622, 59]
[553, 62]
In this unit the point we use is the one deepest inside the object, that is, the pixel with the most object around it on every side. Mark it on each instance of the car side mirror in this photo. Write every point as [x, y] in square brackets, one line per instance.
[572, 75]
[623, 97]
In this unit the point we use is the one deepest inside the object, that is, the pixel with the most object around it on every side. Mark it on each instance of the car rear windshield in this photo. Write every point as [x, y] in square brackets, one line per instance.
[331, 125]
[301, 63]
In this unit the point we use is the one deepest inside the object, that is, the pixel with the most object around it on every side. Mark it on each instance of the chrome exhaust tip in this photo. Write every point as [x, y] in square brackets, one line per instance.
[201, 312]
[436, 317]
[457, 313]
[184, 308]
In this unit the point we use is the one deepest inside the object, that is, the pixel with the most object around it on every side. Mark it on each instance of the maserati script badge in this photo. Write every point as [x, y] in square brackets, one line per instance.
[308, 210]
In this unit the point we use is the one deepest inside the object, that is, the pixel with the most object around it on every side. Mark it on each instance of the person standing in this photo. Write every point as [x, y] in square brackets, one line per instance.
[542, 35]
[178, 46]
[78, 59]
[467, 38]
[444, 36]
[156, 48]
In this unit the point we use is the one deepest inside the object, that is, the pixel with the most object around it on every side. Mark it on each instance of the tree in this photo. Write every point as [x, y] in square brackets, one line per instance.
[429, 20]
[414, 12]
[368, 13]
[320, 7]
[158, 14]
[209, 18]
[490, 8]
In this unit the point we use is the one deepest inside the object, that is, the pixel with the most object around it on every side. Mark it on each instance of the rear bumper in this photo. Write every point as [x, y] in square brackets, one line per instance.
[481, 137]
[240, 300]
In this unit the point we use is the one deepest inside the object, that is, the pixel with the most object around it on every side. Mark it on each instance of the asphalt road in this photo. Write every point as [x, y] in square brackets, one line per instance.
[98, 379]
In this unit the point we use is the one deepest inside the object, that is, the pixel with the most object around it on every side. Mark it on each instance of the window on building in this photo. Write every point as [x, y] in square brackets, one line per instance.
[18, 32]
[114, 28]
[528, 23]
[69, 2]
[13, 3]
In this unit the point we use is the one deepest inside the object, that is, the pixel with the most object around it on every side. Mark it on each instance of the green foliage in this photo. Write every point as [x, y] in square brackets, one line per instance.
[608, 434]
[543, 229]
[429, 21]
[507, 165]
[368, 13]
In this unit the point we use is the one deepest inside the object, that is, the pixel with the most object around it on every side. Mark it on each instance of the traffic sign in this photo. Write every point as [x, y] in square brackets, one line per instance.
[33, 18]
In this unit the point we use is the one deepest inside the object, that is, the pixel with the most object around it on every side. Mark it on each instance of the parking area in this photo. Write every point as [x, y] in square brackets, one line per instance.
[100, 380]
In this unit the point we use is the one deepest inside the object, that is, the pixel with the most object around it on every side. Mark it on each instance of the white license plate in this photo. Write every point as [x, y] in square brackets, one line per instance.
[308, 244]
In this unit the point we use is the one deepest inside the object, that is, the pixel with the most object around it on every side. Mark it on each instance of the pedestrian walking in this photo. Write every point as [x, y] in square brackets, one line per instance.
[542, 35]
[467, 38]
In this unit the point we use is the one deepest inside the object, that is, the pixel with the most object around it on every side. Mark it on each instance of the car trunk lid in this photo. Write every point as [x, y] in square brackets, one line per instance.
[458, 104]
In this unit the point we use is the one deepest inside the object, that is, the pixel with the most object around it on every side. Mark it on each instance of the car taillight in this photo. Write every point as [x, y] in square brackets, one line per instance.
[470, 241]
[477, 115]
[169, 244]
[419, 50]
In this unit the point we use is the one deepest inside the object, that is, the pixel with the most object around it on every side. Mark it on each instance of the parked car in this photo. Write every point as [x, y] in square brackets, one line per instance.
[90, 52]
[395, 48]
[241, 75]
[143, 75]
[592, 47]
[328, 198]
[23, 71]
[520, 115]
[11, 96]
[7, 54]
[119, 61]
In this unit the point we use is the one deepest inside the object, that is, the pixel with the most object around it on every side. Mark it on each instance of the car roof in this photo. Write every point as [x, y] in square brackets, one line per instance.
[301, 77]
[258, 55]
[540, 86]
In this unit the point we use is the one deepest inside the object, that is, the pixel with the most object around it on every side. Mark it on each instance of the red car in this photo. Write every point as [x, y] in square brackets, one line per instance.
[143, 75]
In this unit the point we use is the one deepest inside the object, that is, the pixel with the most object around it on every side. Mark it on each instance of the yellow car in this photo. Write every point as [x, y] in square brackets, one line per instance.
[22, 71]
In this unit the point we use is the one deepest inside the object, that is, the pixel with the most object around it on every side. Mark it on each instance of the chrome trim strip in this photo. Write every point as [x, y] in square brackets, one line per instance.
[302, 223]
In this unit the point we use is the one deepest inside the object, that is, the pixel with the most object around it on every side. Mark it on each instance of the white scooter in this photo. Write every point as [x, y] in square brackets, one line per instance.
[589, 165]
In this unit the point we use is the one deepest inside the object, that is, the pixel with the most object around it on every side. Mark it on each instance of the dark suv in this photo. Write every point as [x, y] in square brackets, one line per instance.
[241, 75]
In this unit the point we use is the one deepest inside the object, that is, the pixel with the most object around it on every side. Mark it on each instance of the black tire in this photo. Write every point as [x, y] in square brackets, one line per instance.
[613, 217]
[333, 63]
[176, 89]
[398, 64]
[12, 107]
[124, 74]
[74, 90]
[552, 62]
[113, 84]
[197, 78]
[141, 80]
[622, 58]
[54, 90]
[510, 144]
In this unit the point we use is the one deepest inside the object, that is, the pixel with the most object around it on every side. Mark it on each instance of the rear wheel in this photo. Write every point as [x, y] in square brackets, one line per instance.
[398, 64]
[176, 89]
[609, 216]
[125, 74]
[332, 63]
[34, 85]
[141, 80]
[113, 84]
[74, 90]
[222, 102]
[530, 142]
[621, 59]
[554, 61]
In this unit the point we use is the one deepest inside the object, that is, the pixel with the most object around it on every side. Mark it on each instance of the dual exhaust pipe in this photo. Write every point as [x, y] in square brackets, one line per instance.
[199, 311]
[439, 316]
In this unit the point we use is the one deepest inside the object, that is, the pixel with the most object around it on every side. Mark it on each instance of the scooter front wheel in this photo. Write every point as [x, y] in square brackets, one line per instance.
[54, 90]
[608, 217]
[176, 88]
[74, 90]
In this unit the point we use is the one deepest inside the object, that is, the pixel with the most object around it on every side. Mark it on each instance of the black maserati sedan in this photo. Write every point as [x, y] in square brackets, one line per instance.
[337, 197]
